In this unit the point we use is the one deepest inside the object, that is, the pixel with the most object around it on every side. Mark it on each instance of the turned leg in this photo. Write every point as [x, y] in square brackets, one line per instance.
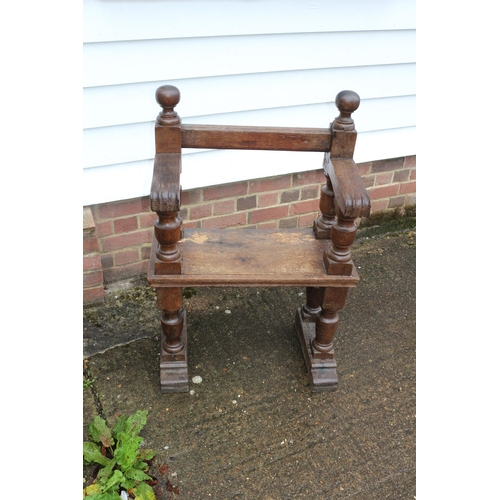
[327, 322]
[168, 232]
[312, 307]
[316, 337]
[172, 318]
[173, 340]
[173, 348]
[323, 224]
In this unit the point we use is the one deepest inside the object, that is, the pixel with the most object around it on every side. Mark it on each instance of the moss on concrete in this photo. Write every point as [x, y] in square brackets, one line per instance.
[389, 221]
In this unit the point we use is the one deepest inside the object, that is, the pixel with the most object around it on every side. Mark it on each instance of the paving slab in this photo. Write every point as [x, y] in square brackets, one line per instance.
[252, 429]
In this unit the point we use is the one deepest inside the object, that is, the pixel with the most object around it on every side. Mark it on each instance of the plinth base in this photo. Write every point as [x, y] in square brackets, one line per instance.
[174, 367]
[322, 372]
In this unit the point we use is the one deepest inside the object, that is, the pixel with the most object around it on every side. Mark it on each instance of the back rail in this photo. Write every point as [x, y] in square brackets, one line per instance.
[256, 138]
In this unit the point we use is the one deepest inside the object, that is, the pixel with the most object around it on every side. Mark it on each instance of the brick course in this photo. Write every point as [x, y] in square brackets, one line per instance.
[408, 187]
[385, 165]
[225, 191]
[289, 196]
[234, 220]
[304, 207]
[267, 200]
[312, 177]
[384, 191]
[310, 192]
[266, 214]
[246, 203]
[224, 207]
[121, 232]
[125, 225]
[93, 288]
[269, 184]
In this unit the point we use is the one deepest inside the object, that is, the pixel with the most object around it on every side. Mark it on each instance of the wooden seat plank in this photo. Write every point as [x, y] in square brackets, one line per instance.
[251, 257]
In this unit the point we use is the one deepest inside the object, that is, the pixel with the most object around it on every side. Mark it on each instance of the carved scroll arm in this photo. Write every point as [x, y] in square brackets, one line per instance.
[165, 201]
[165, 186]
[351, 197]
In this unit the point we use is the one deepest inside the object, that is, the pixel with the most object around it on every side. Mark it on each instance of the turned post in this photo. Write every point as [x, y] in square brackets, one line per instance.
[165, 188]
[338, 258]
[169, 301]
[327, 322]
[165, 201]
[312, 307]
[349, 199]
[323, 224]
[167, 231]
[341, 145]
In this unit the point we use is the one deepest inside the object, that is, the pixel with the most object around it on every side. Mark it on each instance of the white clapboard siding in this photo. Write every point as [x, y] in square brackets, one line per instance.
[133, 142]
[116, 63]
[220, 167]
[107, 20]
[135, 103]
[273, 62]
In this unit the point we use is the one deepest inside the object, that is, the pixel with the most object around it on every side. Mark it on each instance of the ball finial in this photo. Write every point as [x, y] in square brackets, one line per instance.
[347, 102]
[168, 96]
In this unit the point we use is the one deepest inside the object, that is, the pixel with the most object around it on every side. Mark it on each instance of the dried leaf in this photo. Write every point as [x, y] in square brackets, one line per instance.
[171, 487]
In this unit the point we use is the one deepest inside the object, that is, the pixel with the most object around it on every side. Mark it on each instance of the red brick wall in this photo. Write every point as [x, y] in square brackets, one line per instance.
[391, 183]
[124, 228]
[284, 201]
[93, 289]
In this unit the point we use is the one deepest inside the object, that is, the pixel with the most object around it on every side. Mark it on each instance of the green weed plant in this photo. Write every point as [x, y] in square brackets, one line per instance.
[123, 464]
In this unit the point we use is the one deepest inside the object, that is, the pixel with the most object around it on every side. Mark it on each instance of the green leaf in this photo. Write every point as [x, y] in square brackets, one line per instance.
[140, 465]
[104, 496]
[92, 454]
[100, 432]
[126, 452]
[113, 481]
[145, 454]
[136, 422]
[144, 492]
[131, 425]
[119, 426]
[137, 474]
[106, 472]
[126, 484]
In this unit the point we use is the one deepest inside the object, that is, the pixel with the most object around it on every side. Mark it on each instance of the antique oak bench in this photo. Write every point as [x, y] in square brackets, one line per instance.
[318, 258]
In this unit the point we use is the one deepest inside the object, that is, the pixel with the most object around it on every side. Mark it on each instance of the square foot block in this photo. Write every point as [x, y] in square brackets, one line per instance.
[167, 267]
[321, 232]
[322, 372]
[174, 367]
[336, 268]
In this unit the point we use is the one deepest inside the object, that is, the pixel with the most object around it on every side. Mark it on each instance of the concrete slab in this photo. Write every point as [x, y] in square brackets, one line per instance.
[253, 429]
